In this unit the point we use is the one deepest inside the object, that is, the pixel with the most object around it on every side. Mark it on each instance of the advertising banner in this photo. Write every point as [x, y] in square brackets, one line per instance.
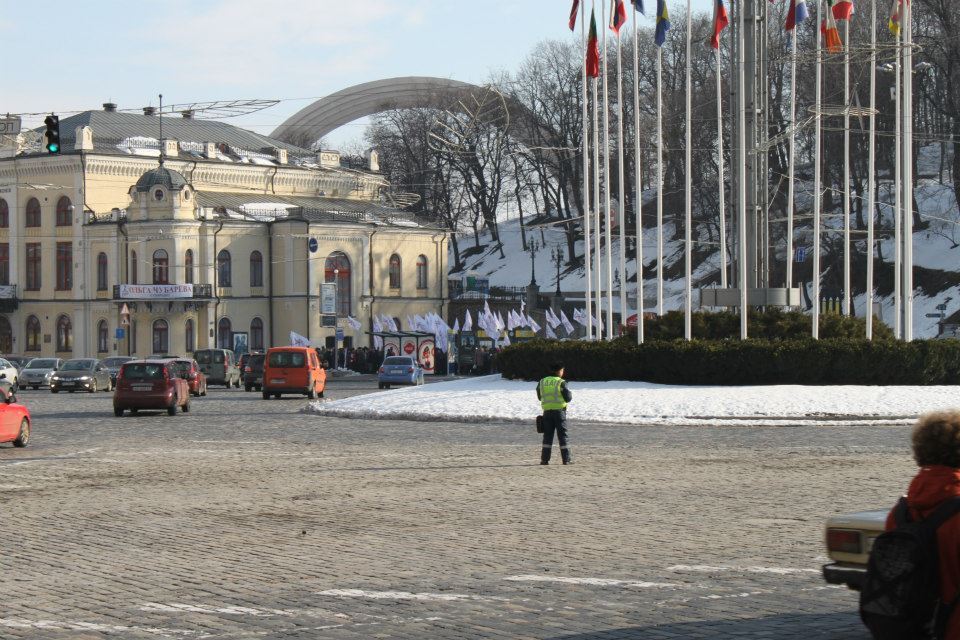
[427, 356]
[155, 291]
[328, 298]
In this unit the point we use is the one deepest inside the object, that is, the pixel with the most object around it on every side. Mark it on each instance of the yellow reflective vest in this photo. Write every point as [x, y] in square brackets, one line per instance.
[551, 396]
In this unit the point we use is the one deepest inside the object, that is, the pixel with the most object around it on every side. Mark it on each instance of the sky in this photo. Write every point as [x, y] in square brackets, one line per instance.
[293, 50]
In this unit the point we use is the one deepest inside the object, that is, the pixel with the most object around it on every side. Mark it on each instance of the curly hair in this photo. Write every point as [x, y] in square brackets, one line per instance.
[936, 439]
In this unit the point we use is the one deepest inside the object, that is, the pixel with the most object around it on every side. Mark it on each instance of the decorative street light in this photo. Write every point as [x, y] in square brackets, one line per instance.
[532, 248]
[557, 255]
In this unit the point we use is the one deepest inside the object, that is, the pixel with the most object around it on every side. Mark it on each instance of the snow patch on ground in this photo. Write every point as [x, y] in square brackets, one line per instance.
[493, 399]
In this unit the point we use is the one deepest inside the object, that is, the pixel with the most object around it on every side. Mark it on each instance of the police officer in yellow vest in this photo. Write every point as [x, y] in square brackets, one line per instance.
[554, 395]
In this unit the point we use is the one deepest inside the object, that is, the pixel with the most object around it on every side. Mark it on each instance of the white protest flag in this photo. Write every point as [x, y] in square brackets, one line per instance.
[501, 325]
[511, 321]
[377, 328]
[468, 322]
[566, 322]
[550, 333]
[552, 320]
[354, 323]
[297, 340]
[533, 324]
[580, 317]
[456, 325]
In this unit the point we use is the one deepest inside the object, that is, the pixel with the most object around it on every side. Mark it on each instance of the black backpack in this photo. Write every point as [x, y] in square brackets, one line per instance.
[900, 599]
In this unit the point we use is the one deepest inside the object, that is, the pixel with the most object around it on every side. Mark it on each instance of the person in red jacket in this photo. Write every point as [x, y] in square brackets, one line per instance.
[936, 449]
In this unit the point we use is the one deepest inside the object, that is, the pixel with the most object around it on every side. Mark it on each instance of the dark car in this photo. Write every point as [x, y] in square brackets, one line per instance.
[150, 384]
[82, 374]
[189, 370]
[113, 366]
[253, 372]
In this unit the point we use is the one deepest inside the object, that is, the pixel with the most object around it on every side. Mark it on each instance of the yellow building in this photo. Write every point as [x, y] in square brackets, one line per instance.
[232, 233]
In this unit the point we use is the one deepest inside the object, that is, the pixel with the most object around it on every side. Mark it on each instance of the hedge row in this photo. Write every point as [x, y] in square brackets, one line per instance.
[735, 362]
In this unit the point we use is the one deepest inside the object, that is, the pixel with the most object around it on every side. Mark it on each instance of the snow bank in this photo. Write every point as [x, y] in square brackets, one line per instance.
[493, 399]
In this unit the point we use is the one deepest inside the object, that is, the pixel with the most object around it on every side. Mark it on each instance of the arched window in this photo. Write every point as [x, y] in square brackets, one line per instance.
[161, 336]
[189, 337]
[64, 334]
[256, 269]
[223, 268]
[337, 269]
[188, 266]
[161, 267]
[101, 271]
[6, 335]
[395, 266]
[64, 212]
[421, 272]
[4, 214]
[33, 334]
[103, 336]
[256, 334]
[225, 334]
[33, 213]
[133, 267]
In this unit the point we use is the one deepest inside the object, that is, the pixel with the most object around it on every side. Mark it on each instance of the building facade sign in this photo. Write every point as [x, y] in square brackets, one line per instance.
[155, 291]
[328, 298]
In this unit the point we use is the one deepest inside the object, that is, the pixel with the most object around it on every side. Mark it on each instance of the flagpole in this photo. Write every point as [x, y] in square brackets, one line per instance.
[871, 164]
[638, 177]
[908, 171]
[721, 180]
[897, 204]
[742, 174]
[596, 206]
[846, 169]
[791, 161]
[623, 196]
[607, 232]
[660, 181]
[815, 329]
[688, 189]
[585, 210]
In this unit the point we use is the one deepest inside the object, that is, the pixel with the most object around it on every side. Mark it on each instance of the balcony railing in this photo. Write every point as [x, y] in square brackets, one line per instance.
[166, 292]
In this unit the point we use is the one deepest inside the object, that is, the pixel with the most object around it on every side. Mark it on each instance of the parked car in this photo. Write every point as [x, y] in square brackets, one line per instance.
[150, 384]
[15, 421]
[399, 370]
[189, 370]
[293, 370]
[219, 365]
[113, 366]
[10, 373]
[81, 374]
[18, 361]
[253, 371]
[38, 371]
[849, 540]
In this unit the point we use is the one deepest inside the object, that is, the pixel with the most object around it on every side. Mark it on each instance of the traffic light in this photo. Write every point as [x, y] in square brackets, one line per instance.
[53, 133]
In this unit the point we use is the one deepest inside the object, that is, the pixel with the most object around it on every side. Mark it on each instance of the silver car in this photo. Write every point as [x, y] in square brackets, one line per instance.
[38, 372]
[81, 374]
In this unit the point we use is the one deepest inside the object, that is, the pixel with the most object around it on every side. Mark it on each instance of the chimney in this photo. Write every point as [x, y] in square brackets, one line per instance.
[187, 114]
[83, 137]
[280, 155]
[210, 149]
[110, 107]
[149, 111]
[169, 148]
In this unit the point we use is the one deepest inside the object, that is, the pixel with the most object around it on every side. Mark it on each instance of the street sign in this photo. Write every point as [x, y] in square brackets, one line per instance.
[119, 333]
[328, 298]
[339, 333]
[328, 321]
[125, 310]
[941, 307]
[313, 245]
[801, 254]
[934, 315]
[10, 126]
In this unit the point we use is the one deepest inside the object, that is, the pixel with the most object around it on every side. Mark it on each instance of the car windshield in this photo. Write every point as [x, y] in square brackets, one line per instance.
[42, 363]
[206, 357]
[287, 359]
[143, 371]
[398, 360]
[255, 361]
[78, 365]
[115, 362]
[183, 367]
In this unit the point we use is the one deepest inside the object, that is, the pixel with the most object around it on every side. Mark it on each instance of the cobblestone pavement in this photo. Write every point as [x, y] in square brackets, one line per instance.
[248, 519]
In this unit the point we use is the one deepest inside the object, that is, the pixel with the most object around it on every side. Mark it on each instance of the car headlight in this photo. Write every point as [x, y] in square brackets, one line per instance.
[48, 374]
[55, 377]
[84, 378]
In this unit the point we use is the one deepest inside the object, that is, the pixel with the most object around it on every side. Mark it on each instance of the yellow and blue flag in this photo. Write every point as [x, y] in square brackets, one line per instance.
[663, 23]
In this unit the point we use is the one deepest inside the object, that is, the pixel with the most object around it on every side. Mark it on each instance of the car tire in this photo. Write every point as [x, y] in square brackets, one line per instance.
[23, 438]
[35, 387]
[320, 394]
[53, 390]
[248, 388]
[172, 409]
[109, 388]
[204, 392]
[236, 383]
[134, 412]
[386, 386]
[277, 395]
[118, 411]
[265, 394]
[259, 387]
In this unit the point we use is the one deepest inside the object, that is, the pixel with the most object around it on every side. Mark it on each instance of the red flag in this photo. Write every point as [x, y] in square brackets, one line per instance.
[843, 9]
[593, 48]
[831, 35]
[618, 16]
[573, 14]
[720, 21]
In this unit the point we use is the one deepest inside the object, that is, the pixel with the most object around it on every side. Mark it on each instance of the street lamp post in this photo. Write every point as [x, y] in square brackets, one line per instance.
[532, 247]
[557, 255]
[336, 316]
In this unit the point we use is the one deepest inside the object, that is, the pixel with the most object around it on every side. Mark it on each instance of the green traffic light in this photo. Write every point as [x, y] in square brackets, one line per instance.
[53, 148]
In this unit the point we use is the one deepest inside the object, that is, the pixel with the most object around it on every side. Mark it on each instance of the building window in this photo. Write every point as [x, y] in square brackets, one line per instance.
[33, 334]
[64, 266]
[103, 336]
[6, 335]
[422, 272]
[225, 334]
[161, 267]
[223, 268]
[101, 271]
[337, 269]
[161, 337]
[4, 263]
[256, 269]
[4, 214]
[33, 266]
[33, 213]
[256, 334]
[395, 266]
[133, 267]
[64, 212]
[189, 339]
[188, 266]
[64, 334]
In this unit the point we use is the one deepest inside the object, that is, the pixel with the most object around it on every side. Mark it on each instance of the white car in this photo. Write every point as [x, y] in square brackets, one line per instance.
[849, 542]
[9, 373]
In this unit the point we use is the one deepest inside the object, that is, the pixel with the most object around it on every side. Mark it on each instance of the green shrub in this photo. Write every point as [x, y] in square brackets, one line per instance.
[742, 362]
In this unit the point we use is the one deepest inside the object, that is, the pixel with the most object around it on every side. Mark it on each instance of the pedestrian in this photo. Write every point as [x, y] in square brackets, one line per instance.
[553, 394]
[931, 499]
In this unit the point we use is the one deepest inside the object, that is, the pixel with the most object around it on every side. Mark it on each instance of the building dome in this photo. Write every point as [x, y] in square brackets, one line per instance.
[161, 177]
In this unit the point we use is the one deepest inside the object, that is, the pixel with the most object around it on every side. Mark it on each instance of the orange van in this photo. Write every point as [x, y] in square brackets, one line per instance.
[293, 370]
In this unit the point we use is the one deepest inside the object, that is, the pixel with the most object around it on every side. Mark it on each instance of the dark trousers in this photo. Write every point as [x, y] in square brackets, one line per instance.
[554, 421]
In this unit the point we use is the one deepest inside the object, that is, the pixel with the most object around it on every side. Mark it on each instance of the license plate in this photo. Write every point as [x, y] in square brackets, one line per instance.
[398, 371]
[142, 387]
[277, 381]
[69, 383]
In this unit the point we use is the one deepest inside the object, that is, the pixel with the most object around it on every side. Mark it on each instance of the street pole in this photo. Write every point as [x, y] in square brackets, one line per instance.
[336, 317]
[872, 162]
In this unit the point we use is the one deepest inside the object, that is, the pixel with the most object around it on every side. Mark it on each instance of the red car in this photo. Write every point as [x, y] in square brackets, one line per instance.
[150, 384]
[189, 370]
[14, 418]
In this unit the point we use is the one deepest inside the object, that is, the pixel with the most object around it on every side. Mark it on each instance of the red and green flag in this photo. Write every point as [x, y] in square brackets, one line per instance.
[593, 48]
[831, 35]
